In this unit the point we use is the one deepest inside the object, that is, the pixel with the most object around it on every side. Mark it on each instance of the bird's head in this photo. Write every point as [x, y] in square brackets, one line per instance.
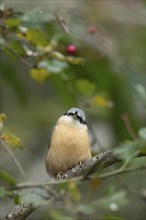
[74, 117]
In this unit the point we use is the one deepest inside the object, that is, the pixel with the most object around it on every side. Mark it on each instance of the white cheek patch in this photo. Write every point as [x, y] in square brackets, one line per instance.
[70, 121]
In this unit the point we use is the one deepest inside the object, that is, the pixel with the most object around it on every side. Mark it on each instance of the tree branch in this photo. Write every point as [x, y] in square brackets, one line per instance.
[88, 167]
[20, 212]
[26, 185]
[80, 172]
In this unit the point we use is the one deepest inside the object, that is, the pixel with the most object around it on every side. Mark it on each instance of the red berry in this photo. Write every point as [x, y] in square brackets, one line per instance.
[92, 29]
[71, 49]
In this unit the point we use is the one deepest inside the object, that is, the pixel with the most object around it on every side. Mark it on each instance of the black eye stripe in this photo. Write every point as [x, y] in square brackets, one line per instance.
[81, 120]
[68, 113]
[78, 117]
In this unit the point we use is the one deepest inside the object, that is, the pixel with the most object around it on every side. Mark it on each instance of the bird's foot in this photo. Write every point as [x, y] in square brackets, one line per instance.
[60, 176]
[80, 163]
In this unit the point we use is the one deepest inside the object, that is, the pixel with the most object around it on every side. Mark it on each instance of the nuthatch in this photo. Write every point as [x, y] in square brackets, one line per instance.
[69, 143]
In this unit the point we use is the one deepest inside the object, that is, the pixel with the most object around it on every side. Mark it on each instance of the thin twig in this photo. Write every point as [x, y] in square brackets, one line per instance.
[25, 185]
[62, 23]
[120, 171]
[22, 60]
[128, 126]
[130, 189]
[13, 157]
[95, 138]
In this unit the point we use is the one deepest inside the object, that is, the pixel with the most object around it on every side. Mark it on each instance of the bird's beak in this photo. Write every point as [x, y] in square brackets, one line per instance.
[75, 116]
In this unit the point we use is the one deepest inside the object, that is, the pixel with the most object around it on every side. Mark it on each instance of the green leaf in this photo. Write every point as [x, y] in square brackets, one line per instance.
[85, 87]
[13, 22]
[142, 133]
[56, 215]
[10, 54]
[31, 199]
[2, 118]
[87, 209]
[12, 140]
[7, 177]
[35, 16]
[112, 217]
[130, 149]
[73, 190]
[113, 202]
[39, 74]
[17, 47]
[110, 190]
[35, 36]
[75, 60]
[16, 198]
[3, 192]
[101, 101]
[59, 56]
[53, 66]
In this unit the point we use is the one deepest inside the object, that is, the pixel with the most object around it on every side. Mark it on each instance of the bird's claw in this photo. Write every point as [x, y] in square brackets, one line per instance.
[80, 163]
[60, 176]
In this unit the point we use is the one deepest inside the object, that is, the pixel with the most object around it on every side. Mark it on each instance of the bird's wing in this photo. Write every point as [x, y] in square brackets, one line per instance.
[50, 136]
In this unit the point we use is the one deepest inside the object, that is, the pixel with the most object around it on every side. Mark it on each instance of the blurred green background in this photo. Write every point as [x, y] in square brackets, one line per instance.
[105, 76]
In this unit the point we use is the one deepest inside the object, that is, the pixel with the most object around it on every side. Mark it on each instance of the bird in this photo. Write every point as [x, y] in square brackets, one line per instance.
[69, 143]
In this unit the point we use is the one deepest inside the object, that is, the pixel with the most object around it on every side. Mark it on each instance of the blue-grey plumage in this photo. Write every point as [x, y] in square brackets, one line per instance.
[69, 143]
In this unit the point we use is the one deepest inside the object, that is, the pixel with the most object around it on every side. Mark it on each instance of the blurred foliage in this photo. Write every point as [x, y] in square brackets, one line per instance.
[8, 138]
[105, 76]
[11, 139]
[7, 177]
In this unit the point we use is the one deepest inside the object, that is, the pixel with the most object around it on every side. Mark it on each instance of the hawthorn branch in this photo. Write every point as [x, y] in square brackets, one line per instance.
[103, 160]
[26, 185]
[20, 212]
[90, 166]
[79, 172]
